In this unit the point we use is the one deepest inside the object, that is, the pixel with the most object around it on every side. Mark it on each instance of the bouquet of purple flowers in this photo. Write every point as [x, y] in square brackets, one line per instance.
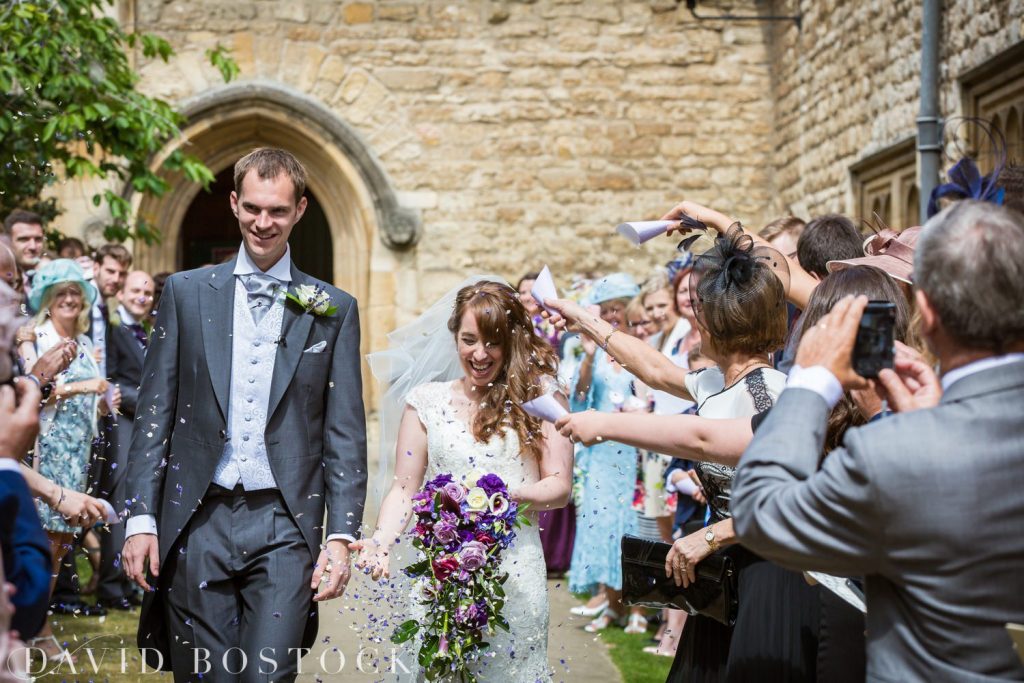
[461, 530]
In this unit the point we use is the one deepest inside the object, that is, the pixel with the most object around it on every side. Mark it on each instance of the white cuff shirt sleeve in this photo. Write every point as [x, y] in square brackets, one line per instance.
[818, 379]
[344, 537]
[140, 524]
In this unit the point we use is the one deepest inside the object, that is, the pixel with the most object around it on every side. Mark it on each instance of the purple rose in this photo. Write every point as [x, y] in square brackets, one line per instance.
[491, 484]
[445, 532]
[473, 555]
[457, 492]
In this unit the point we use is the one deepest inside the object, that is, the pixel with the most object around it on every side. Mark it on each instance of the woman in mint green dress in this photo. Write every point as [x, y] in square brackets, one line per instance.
[608, 470]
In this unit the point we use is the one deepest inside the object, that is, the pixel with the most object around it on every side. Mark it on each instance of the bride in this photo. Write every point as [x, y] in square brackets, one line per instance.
[473, 422]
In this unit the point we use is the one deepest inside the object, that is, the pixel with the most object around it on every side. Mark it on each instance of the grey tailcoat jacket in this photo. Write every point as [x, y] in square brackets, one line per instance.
[928, 506]
[315, 433]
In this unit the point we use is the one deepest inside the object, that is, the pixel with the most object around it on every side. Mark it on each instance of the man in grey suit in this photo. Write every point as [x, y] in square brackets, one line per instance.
[249, 421]
[927, 505]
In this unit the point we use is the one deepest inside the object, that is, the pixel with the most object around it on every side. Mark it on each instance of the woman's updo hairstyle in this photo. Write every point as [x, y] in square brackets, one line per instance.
[738, 293]
[529, 363]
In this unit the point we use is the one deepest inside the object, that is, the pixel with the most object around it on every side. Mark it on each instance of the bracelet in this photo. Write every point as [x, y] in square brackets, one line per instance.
[608, 337]
[60, 499]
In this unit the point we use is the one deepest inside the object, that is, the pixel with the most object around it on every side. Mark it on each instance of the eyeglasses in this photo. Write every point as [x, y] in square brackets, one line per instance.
[639, 323]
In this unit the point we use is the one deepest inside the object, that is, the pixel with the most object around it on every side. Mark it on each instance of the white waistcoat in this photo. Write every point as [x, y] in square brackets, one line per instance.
[253, 352]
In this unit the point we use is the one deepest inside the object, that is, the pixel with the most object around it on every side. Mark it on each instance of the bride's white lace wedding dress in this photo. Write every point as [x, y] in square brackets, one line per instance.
[521, 654]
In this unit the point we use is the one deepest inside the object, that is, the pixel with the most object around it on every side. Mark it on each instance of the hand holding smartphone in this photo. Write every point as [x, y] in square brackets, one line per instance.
[875, 347]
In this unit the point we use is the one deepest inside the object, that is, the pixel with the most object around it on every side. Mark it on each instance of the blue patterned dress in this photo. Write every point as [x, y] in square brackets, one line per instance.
[608, 479]
[66, 429]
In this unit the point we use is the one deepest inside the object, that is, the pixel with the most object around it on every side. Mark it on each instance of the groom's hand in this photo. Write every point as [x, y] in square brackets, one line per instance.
[138, 549]
[333, 568]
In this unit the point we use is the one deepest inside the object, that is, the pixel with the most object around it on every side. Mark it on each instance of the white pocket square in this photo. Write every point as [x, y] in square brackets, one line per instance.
[317, 348]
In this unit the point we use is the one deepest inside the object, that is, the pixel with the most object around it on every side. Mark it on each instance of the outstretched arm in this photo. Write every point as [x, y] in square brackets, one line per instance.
[801, 283]
[685, 436]
[396, 508]
[653, 368]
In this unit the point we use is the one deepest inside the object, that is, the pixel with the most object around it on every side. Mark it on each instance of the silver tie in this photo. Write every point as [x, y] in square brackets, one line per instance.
[262, 290]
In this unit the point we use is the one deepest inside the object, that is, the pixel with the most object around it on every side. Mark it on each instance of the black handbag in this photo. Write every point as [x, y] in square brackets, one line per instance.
[644, 583]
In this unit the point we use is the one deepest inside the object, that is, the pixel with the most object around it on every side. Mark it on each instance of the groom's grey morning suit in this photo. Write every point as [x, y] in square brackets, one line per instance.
[249, 422]
[927, 505]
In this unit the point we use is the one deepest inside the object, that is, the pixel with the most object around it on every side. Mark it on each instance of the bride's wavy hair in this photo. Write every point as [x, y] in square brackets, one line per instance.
[529, 362]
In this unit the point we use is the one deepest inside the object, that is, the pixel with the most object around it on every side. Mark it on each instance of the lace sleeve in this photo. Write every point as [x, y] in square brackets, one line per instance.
[418, 398]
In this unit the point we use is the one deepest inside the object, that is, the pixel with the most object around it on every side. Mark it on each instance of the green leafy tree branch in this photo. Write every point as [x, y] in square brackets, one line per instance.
[69, 109]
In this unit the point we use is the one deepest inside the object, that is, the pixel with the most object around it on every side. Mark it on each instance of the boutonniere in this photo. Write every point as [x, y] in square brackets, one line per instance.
[312, 299]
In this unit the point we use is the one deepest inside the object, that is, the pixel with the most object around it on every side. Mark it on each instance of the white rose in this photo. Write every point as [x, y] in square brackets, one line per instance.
[476, 499]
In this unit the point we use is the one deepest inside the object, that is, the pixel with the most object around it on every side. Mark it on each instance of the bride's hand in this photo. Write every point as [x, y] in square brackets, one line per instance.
[374, 558]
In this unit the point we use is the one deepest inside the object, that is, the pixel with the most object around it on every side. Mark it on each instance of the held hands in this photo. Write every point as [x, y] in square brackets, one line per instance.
[332, 567]
[583, 427]
[139, 549]
[830, 342]
[374, 558]
[682, 560]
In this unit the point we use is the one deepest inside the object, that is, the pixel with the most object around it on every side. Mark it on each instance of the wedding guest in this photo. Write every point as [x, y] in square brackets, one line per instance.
[638, 323]
[783, 234]
[111, 264]
[650, 502]
[127, 340]
[931, 614]
[831, 237]
[608, 470]
[10, 274]
[557, 526]
[741, 319]
[23, 544]
[841, 655]
[25, 229]
[70, 247]
[62, 296]
[159, 279]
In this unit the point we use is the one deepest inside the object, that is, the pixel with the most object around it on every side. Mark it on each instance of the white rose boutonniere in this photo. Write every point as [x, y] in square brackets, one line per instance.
[312, 299]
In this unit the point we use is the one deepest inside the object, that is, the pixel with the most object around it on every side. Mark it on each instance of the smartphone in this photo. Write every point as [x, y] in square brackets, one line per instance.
[875, 348]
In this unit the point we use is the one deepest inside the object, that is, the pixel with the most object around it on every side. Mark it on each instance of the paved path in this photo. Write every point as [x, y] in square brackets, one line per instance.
[345, 651]
[574, 654]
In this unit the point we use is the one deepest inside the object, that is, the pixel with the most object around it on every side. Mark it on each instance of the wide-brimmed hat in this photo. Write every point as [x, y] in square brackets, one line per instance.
[888, 250]
[58, 272]
[614, 286]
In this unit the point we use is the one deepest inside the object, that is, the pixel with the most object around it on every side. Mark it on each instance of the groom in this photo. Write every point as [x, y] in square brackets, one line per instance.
[250, 420]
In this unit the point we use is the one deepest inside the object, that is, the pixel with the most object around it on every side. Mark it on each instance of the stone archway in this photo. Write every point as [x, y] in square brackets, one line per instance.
[360, 205]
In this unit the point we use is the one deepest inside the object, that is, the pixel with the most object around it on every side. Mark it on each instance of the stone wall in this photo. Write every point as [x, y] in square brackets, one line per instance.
[847, 85]
[523, 131]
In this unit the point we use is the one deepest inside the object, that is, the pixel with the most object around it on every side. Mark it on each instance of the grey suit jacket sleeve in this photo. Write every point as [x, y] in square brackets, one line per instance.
[154, 419]
[345, 432]
[795, 515]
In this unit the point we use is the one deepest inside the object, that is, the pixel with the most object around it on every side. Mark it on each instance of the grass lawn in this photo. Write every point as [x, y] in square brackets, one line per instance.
[104, 646]
[635, 665]
[627, 653]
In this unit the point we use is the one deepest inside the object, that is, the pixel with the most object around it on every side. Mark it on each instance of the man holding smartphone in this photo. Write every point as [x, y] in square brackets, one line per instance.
[889, 505]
